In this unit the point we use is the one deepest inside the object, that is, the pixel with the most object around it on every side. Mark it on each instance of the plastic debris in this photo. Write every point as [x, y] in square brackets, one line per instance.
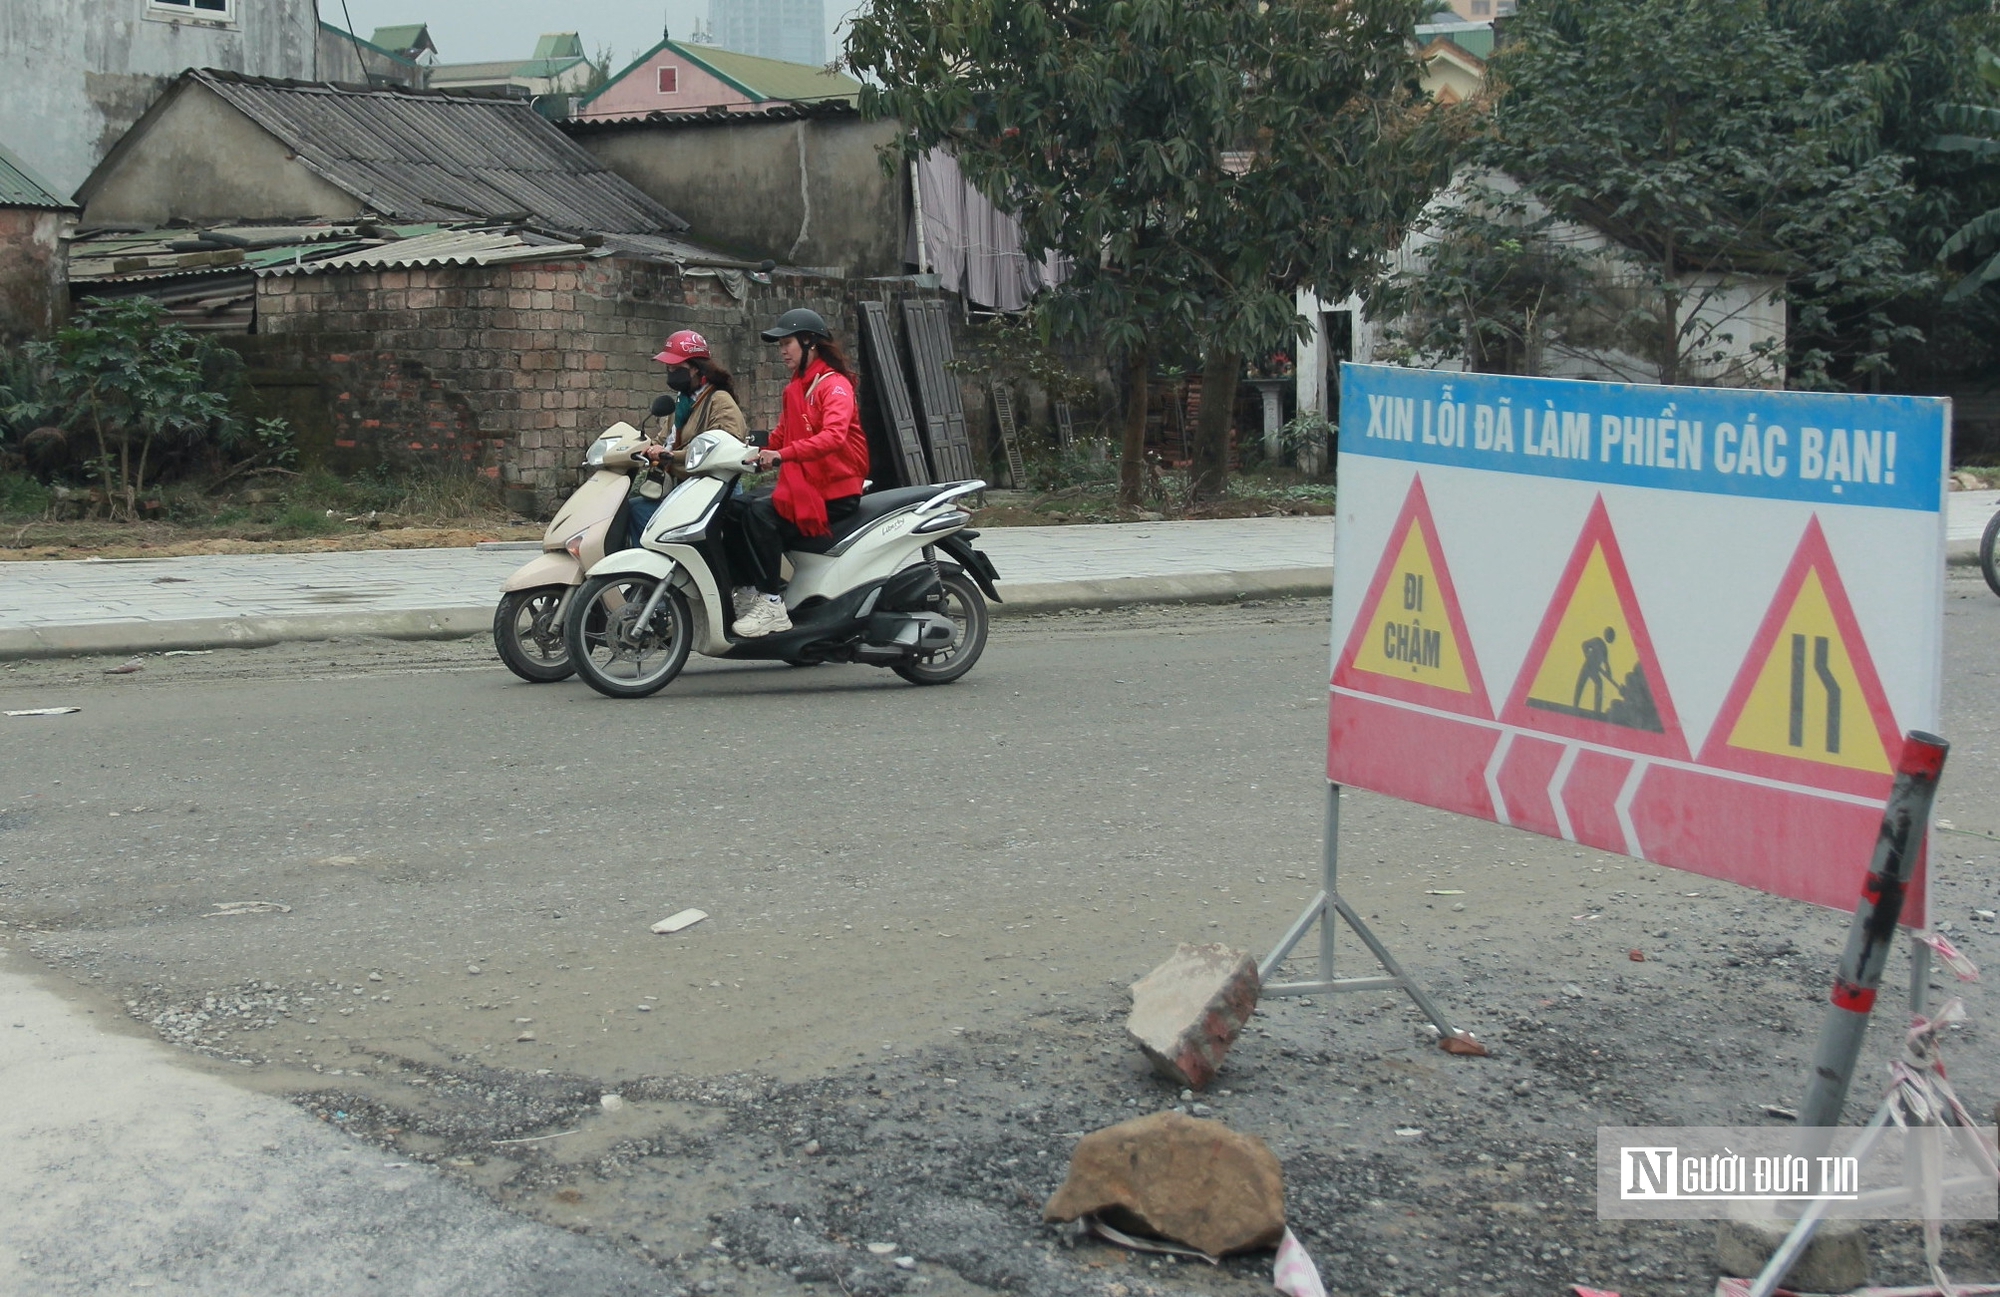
[1949, 955]
[1295, 1274]
[186, 653]
[882, 1249]
[611, 1102]
[45, 711]
[1582, 1291]
[1132, 1243]
[1636, 956]
[676, 922]
[1445, 891]
[227, 909]
[1781, 1113]
[126, 668]
[1462, 1044]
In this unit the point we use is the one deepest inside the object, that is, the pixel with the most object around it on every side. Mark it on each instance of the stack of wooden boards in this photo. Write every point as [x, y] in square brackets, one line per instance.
[926, 435]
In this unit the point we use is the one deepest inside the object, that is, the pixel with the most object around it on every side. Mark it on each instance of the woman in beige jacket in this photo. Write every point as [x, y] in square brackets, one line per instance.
[707, 401]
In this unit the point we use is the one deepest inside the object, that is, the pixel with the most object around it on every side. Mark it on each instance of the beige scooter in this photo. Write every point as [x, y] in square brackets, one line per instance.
[527, 625]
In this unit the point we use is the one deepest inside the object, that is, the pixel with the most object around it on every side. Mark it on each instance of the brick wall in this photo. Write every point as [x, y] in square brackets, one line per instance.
[33, 271]
[514, 369]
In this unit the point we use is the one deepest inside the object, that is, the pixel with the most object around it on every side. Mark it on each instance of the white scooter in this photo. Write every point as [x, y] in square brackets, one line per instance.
[527, 624]
[897, 584]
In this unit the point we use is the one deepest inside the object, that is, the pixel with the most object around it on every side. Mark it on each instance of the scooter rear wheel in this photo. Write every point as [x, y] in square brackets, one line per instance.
[527, 630]
[613, 654]
[965, 605]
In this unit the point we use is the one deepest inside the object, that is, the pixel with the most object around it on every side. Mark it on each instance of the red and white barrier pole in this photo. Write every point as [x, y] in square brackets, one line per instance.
[1904, 821]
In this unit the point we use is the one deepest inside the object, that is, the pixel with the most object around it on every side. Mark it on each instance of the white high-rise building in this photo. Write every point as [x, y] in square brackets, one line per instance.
[792, 30]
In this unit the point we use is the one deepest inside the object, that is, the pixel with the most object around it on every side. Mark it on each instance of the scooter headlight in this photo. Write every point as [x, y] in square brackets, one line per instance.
[594, 457]
[700, 449]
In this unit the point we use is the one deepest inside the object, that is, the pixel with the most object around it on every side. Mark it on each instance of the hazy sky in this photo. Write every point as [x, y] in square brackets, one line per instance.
[475, 30]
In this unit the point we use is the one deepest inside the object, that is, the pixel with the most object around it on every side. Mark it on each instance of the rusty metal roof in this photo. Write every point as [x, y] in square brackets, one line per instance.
[424, 155]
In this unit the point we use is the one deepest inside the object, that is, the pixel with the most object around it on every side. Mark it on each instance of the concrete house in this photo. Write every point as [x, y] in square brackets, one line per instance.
[679, 77]
[404, 61]
[35, 223]
[424, 278]
[558, 67]
[75, 74]
[220, 147]
[794, 184]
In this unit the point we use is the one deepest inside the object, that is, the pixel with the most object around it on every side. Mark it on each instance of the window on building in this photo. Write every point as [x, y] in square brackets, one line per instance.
[670, 81]
[213, 10]
[1482, 8]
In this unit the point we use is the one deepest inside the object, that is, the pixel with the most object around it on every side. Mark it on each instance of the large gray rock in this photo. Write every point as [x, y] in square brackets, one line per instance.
[1835, 1261]
[1187, 1012]
[1177, 1177]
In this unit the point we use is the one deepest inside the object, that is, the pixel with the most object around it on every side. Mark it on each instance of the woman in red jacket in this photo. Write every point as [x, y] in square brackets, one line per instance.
[821, 454]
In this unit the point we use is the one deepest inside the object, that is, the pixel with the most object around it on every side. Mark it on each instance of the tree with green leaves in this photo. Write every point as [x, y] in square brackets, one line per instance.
[1194, 162]
[1720, 158]
[139, 382]
[1974, 131]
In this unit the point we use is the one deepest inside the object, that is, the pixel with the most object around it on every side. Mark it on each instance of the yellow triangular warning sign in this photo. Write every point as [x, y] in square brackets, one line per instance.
[1408, 634]
[1591, 672]
[1593, 667]
[1807, 700]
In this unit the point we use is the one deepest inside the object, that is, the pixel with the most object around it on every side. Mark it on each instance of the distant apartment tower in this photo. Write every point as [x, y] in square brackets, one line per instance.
[792, 30]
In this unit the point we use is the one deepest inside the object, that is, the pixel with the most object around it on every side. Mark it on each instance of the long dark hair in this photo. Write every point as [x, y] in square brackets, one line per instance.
[818, 344]
[712, 374]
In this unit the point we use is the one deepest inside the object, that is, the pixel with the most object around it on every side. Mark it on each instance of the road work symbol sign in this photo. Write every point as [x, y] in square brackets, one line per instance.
[1718, 608]
[1592, 673]
[1412, 642]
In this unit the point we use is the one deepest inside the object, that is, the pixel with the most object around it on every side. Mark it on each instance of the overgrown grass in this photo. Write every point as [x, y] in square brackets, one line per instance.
[22, 497]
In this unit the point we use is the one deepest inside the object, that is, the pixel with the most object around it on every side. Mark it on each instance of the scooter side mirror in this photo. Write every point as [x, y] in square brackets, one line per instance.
[663, 405]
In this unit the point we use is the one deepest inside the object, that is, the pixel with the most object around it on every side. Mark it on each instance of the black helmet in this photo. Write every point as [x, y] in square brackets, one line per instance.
[796, 321]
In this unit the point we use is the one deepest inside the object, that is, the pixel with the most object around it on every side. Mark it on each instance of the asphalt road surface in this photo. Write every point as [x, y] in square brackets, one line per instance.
[413, 895]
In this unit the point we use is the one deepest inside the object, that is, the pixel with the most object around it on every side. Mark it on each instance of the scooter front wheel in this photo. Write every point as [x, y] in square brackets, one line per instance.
[612, 652]
[528, 632]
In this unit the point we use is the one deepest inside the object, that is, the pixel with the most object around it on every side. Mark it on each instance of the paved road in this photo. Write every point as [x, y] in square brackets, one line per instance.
[229, 851]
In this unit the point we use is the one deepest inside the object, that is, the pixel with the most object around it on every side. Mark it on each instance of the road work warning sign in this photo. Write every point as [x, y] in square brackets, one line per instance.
[1707, 614]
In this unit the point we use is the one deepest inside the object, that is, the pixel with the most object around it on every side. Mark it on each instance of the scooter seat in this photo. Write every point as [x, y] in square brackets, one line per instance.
[873, 506]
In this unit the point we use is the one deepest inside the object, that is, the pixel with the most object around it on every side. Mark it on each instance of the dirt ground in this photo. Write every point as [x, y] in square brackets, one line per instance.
[1408, 1171]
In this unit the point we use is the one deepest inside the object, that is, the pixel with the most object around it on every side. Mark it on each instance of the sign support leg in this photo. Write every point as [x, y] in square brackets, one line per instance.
[1327, 908]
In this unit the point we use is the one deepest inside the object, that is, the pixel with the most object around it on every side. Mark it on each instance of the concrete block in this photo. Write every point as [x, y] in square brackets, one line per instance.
[1187, 1012]
[1836, 1261]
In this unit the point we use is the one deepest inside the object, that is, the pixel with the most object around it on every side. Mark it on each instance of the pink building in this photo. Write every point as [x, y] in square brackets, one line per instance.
[673, 77]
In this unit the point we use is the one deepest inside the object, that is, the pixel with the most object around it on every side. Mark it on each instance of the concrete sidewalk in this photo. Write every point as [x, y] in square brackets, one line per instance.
[154, 604]
[129, 1169]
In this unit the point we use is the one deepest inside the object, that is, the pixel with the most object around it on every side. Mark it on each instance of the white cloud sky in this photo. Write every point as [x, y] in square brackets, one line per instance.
[475, 30]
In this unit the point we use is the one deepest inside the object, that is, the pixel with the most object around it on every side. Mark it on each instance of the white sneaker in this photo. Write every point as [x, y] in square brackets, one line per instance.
[766, 616]
[742, 597]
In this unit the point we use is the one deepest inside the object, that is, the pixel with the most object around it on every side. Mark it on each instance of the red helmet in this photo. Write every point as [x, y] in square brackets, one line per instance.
[682, 345]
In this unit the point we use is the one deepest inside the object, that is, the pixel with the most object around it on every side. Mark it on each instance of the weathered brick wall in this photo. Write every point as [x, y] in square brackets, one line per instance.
[33, 272]
[516, 368]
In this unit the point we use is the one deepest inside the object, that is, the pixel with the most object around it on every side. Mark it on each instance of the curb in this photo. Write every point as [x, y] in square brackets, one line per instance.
[1023, 600]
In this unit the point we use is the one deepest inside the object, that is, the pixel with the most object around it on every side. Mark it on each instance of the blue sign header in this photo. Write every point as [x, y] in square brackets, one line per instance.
[1888, 452]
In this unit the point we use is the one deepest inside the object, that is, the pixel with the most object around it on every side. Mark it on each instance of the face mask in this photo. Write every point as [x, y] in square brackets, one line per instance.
[680, 379]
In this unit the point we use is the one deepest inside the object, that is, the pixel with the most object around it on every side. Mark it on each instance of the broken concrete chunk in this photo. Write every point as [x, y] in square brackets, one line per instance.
[1187, 1012]
[1835, 1261]
[1177, 1177]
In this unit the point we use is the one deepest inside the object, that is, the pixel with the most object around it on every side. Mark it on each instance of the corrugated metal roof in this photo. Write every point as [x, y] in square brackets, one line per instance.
[454, 73]
[444, 248]
[22, 186]
[116, 256]
[415, 155]
[710, 116]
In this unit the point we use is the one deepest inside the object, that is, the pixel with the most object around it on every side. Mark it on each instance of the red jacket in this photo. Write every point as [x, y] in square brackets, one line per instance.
[823, 452]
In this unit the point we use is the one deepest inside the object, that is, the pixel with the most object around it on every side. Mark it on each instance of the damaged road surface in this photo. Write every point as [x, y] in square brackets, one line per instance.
[413, 898]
